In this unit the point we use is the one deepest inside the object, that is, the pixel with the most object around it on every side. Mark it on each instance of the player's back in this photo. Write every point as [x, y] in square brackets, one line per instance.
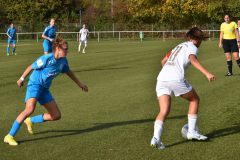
[178, 61]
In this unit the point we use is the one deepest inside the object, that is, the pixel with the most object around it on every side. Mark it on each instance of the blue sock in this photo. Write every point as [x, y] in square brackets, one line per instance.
[14, 49]
[8, 50]
[15, 127]
[37, 119]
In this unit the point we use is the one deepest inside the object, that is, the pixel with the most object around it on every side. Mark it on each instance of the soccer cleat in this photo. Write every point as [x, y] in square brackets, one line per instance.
[29, 124]
[10, 140]
[83, 51]
[229, 74]
[157, 144]
[196, 136]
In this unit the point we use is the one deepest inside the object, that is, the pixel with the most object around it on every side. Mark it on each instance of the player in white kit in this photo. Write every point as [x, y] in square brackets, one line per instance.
[83, 33]
[238, 41]
[171, 80]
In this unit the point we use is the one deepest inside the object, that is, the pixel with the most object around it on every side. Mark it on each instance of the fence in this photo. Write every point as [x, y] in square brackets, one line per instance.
[115, 35]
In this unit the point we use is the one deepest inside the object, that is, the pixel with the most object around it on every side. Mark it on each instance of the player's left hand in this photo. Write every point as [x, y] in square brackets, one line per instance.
[84, 87]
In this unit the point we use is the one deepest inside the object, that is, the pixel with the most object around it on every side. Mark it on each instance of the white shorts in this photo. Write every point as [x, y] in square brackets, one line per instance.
[83, 40]
[176, 88]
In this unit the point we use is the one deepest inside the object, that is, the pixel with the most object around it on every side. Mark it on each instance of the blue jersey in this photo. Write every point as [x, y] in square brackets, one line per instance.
[50, 31]
[12, 32]
[46, 68]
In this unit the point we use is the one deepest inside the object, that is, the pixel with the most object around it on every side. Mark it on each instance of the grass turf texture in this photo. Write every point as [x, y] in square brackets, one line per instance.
[115, 119]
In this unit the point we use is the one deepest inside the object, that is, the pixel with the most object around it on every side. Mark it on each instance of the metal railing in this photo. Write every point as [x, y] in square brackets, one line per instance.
[115, 35]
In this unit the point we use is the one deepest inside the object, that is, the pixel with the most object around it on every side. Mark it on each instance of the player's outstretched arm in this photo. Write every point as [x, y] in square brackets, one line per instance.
[76, 80]
[194, 61]
[24, 75]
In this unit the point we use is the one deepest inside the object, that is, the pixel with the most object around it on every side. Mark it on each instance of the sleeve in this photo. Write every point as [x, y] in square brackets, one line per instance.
[192, 50]
[221, 27]
[8, 31]
[169, 54]
[40, 62]
[66, 67]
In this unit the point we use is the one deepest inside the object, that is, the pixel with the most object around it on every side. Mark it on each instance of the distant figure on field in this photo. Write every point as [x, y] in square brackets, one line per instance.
[83, 33]
[49, 34]
[11, 33]
[228, 41]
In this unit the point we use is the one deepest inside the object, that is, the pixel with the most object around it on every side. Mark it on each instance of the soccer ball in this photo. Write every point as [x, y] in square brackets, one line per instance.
[184, 130]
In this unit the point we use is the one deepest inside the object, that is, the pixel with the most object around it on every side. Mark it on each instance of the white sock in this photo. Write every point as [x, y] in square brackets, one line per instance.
[79, 47]
[158, 129]
[192, 121]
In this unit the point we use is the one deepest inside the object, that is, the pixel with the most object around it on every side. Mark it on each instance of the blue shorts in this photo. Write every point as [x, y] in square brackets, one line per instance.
[47, 47]
[42, 94]
[11, 41]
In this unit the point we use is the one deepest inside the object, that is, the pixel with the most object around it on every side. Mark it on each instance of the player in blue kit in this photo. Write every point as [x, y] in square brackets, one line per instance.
[45, 69]
[11, 33]
[49, 34]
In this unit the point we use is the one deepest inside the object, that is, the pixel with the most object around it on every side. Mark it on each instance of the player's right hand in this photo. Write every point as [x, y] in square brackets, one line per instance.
[50, 39]
[20, 83]
[220, 45]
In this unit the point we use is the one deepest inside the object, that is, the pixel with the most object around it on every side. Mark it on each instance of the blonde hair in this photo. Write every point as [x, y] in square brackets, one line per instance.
[59, 42]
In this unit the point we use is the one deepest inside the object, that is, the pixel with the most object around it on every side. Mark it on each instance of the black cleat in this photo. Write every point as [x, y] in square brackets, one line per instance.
[228, 74]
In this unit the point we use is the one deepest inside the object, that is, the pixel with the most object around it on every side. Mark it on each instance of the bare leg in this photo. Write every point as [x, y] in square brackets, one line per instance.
[29, 109]
[193, 99]
[53, 111]
[165, 105]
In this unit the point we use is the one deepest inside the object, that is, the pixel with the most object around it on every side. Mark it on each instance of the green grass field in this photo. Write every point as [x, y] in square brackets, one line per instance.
[114, 120]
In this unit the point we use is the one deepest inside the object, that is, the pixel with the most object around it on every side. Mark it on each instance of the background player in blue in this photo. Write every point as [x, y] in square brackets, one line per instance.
[49, 34]
[11, 33]
[45, 69]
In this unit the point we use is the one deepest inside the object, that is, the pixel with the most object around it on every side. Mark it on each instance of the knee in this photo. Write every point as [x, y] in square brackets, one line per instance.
[56, 116]
[196, 99]
[28, 111]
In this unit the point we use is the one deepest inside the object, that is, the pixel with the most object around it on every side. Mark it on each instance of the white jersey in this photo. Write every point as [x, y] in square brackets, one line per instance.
[83, 32]
[178, 61]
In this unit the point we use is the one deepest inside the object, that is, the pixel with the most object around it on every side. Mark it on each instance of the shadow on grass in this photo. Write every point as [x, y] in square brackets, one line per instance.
[214, 134]
[99, 126]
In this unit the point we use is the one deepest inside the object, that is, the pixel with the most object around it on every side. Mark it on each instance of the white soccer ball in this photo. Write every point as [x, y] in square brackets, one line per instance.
[184, 130]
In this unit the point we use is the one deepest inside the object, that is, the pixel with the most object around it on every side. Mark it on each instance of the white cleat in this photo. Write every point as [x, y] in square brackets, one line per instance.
[157, 144]
[83, 51]
[196, 136]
